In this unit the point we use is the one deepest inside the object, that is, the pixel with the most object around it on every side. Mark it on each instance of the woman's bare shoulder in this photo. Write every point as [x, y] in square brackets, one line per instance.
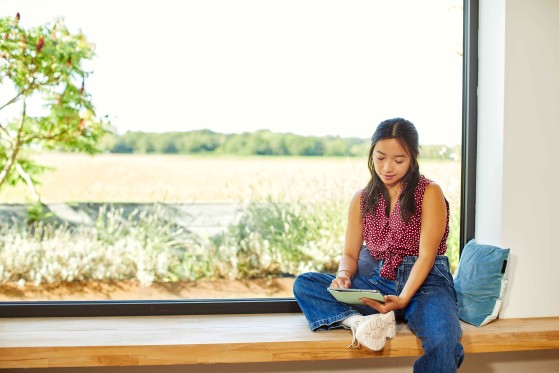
[357, 194]
[433, 193]
[355, 203]
[433, 185]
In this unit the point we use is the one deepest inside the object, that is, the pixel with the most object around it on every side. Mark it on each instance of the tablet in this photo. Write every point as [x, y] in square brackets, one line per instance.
[352, 296]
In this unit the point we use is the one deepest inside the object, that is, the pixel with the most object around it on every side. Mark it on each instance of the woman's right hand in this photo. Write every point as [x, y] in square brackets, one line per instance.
[341, 282]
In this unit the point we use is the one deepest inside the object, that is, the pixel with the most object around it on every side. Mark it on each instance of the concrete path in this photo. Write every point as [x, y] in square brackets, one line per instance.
[202, 218]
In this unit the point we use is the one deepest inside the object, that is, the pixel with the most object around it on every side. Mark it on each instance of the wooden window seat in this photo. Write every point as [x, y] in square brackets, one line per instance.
[207, 339]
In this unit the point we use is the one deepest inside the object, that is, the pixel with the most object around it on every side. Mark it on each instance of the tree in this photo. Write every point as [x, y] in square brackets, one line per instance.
[43, 65]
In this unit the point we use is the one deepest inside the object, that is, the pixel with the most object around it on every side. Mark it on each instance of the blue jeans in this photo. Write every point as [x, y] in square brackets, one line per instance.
[432, 313]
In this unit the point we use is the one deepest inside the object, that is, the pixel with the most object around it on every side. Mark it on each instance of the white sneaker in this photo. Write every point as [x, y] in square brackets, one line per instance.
[372, 331]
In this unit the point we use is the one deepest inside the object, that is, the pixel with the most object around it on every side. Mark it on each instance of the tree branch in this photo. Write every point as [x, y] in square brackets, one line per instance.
[57, 136]
[12, 100]
[5, 131]
[25, 176]
[15, 149]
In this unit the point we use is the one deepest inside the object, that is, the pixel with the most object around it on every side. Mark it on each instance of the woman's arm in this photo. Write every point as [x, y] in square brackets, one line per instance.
[353, 242]
[433, 224]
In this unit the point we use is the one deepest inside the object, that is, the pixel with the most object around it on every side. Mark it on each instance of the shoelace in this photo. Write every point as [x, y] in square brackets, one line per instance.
[388, 325]
[354, 342]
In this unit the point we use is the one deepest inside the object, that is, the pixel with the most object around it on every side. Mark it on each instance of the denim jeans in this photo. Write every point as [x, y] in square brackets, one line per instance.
[432, 313]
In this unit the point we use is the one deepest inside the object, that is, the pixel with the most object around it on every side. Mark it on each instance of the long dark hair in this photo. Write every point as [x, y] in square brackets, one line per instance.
[404, 131]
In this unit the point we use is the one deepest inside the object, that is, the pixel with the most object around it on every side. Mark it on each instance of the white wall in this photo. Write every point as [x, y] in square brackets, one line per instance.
[491, 88]
[518, 121]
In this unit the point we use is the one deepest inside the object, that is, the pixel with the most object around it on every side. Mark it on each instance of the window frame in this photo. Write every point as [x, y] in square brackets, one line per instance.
[469, 121]
[289, 305]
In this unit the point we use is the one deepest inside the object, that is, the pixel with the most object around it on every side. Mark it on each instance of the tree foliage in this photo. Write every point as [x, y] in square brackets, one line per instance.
[43, 65]
[263, 142]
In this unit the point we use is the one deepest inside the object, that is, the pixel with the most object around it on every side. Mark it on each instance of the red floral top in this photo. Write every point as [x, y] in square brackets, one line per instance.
[389, 238]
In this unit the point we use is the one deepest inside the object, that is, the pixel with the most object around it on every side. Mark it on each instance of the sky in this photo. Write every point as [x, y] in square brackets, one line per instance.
[311, 67]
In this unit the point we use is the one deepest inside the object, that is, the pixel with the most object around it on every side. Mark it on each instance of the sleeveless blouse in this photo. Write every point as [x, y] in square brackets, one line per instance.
[389, 238]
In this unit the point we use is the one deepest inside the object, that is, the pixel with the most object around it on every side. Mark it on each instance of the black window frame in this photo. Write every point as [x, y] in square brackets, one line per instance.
[289, 305]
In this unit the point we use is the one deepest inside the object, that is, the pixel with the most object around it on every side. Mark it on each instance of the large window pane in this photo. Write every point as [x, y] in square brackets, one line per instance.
[241, 132]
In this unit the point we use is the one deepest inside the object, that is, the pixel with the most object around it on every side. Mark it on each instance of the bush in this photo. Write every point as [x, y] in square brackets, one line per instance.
[276, 239]
[142, 246]
[269, 239]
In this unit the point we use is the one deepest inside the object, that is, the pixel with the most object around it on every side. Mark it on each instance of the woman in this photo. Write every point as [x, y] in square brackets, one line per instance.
[402, 217]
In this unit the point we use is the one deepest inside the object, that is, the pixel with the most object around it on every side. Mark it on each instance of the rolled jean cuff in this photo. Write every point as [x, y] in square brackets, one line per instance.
[332, 322]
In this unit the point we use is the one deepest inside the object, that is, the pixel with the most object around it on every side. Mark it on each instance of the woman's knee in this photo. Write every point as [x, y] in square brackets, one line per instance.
[304, 282]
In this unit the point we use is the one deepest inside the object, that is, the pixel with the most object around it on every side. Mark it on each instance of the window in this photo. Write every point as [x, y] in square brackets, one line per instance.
[271, 87]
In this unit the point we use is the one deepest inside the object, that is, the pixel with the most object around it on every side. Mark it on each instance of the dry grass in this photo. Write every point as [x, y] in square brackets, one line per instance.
[176, 178]
[167, 178]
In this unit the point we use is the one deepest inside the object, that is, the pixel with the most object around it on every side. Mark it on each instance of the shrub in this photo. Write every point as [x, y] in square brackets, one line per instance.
[275, 238]
[143, 246]
[269, 239]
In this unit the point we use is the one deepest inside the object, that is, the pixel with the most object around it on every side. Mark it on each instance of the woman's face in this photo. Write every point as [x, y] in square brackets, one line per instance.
[391, 161]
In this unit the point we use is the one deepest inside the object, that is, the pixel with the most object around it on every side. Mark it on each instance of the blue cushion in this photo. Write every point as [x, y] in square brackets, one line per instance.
[480, 282]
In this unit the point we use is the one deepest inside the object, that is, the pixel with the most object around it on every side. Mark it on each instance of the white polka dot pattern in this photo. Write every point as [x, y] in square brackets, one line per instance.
[389, 238]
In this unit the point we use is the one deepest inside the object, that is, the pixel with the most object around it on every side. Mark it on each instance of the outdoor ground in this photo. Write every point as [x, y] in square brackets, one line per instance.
[129, 290]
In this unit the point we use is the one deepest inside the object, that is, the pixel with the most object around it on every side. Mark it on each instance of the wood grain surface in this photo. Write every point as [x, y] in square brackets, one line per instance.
[207, 339]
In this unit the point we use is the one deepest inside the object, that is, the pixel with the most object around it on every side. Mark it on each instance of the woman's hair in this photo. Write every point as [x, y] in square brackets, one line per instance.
[404, 131]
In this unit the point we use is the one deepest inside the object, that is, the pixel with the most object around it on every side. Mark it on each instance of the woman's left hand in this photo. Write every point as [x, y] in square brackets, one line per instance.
[391, 303]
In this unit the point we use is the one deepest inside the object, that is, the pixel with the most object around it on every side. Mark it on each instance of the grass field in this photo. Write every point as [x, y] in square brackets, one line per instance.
[279, 236]
[169, 178]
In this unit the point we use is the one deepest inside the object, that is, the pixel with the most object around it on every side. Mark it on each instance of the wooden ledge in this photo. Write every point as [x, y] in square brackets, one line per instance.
[207, 339]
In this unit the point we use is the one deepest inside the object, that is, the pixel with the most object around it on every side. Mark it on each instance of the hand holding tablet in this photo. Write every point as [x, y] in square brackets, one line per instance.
[352, 296]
